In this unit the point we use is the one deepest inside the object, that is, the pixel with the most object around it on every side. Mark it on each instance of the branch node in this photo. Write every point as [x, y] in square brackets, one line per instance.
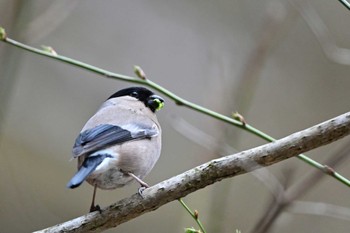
[49, 49]
[328, 170]
[179, 103]
[196, 214]
[192, 230]
[139, 72]
[237, 116]
[3, 35]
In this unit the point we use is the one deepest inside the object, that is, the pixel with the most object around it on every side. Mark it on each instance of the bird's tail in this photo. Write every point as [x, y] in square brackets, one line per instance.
[88, 166]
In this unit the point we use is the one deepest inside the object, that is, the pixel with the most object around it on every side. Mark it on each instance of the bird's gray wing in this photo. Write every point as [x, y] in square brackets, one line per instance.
[105, 135]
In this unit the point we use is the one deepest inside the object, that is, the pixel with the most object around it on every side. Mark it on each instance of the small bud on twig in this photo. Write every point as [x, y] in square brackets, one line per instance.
[2, 33]
[196, 214]
[328, 170]
[192, 230]
[49, 49]
[237, 116]
[179, 103]
[139, 72]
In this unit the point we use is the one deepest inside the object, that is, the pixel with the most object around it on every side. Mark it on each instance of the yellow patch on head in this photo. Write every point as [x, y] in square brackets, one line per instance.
[160, 104]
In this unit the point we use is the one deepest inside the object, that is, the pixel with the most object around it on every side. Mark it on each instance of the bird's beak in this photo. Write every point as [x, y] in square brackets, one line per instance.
[155, 102]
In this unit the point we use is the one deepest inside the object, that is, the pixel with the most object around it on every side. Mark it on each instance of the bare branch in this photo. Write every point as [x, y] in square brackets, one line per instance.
[321, 209]
[284, 198]
[320, 30]
[207, 174]
[345, 3]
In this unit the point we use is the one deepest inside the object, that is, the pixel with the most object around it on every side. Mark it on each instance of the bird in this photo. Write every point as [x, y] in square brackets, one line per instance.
[120, 143]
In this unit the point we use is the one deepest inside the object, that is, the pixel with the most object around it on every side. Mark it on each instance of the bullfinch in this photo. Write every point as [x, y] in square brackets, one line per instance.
[120, 143]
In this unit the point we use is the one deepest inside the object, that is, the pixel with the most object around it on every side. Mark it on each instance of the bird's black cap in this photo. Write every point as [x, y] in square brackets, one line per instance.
[146, 96]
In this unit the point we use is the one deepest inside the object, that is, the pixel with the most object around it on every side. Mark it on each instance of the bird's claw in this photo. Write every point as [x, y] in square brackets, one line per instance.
[95, 208]
[140, 191]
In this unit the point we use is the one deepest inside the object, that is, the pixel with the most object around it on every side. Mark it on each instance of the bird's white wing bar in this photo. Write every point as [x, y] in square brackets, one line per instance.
[142, 131]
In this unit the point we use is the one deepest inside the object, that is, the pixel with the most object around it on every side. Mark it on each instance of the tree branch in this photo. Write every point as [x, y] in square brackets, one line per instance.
[345, 3]
[207, 174]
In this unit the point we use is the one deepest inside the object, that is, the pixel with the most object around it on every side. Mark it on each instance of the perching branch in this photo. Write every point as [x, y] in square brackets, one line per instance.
[178, 100]
[345, 3]
[207, 174]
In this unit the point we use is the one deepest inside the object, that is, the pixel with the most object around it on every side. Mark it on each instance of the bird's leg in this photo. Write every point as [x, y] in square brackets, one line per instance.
[143, 184]
[94, 207]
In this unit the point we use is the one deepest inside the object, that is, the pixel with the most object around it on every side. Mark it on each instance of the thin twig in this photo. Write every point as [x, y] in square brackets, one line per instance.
[177, 99]
[199, 223]
[345, 3]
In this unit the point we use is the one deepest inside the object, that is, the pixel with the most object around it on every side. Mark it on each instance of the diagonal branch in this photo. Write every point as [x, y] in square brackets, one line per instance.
[345, 3]
[332, 51]
[207, 174]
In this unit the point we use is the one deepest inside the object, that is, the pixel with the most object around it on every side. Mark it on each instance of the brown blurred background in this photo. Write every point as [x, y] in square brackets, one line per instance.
[276, 62]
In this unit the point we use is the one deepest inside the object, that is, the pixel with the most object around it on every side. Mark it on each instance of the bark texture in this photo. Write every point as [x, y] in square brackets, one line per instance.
[208, 173]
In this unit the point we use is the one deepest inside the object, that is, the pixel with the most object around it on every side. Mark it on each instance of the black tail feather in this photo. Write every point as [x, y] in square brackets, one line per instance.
[89, 165]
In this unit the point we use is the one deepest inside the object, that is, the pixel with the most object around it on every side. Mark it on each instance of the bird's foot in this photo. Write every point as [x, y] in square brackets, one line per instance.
[141, 182]
[94, 208]
[140, 191]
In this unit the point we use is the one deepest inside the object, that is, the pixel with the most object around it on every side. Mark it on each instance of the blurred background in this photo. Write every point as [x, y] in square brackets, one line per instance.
[282, 64]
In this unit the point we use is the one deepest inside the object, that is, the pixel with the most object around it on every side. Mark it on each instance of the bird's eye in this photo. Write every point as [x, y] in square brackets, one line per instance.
[134, 94]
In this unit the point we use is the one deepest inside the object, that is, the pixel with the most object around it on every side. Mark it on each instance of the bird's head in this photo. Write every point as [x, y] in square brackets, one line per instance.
[152, 101]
